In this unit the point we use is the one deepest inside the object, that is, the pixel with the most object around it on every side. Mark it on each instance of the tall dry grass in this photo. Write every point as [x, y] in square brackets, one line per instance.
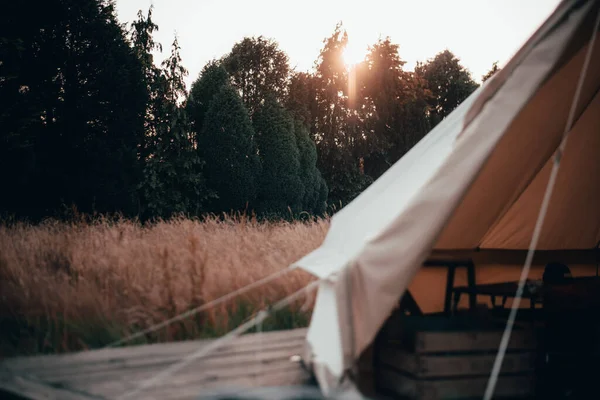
[73, 286]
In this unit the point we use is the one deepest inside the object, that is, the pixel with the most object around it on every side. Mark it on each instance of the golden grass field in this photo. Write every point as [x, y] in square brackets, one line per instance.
[73, 286]
[82, 285]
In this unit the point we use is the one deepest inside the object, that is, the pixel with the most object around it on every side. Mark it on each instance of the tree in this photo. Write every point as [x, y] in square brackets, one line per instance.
[281, 188]
[338, 131]
[321, 206]
[173, 181]
[232, 166]
[73, 103]
[399, 107]
[384, 88]
[314, 200]
[141, 34]
[491, 72]
[210, 81]
[258, 69]
[300, 97]
[449, 83]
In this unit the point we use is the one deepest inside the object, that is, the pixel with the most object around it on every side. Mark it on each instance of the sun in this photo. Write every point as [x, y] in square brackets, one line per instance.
[353, 55]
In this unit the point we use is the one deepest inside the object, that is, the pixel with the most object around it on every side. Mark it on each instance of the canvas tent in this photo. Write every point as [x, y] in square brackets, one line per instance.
[472, 188]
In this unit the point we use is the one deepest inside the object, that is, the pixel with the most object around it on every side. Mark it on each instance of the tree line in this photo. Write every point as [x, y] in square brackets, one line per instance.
[89, 120]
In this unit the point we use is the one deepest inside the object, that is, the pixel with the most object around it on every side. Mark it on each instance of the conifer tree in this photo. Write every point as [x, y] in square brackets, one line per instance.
[173, 181]
[229, 152]
[210, 81]
[281, 188]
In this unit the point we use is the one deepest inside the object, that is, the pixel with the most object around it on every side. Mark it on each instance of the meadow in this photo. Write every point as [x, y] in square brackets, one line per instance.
[69, 286]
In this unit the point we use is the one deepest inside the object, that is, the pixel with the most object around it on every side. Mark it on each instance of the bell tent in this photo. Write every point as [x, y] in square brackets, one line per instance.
[472, 189]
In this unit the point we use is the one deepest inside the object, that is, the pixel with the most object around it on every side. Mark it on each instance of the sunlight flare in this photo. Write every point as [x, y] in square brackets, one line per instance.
[353, 54]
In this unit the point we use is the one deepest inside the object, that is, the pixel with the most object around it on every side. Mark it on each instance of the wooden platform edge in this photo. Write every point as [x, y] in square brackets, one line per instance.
[19, 387]
[19, 379]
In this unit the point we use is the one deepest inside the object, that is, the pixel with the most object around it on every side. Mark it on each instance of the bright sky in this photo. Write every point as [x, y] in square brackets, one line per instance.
[479, 32]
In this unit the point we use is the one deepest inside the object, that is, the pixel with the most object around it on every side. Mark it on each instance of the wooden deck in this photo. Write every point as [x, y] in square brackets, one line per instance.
[252, 360]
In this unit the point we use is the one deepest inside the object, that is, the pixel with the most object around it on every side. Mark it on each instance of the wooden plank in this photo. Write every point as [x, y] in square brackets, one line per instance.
[452, 365]
[214, 364]
[434, 342]
[446, 389]
[296, 391]
[150, 351]
[108, 373]
[29, 388]
[451, 334]
[191, 377]
[260, 376]
[124, 365]
[194, 392]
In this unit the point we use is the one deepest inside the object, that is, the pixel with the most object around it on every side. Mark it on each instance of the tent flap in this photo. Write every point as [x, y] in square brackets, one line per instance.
[471, 188]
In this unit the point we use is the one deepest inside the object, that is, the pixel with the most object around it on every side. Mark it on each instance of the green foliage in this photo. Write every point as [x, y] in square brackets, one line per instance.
[491, 72]
[299, 95]
[346, 184]
[312, 181]
[173, 181]
[258, 69]
[72, 100]
[322, 198]
[212, 78]
[397, 114]
[338, 124]
[449, 83]
[141, 36]
[227, 141]
[88, 119]
[281, 188]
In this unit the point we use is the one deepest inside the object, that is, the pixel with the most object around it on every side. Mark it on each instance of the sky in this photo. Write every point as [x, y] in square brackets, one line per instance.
[478, 32]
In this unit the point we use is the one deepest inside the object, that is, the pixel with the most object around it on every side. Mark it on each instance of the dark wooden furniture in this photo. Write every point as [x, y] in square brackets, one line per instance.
[443, 357]
[452, 265]
[408, 304]
[502, 290]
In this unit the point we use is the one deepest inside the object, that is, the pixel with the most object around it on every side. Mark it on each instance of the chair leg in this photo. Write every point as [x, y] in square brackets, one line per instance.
[471, 282]
[449, 288]
[409, 304]
[456, 301]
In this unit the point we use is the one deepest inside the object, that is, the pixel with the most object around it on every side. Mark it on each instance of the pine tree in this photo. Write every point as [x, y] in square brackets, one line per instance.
[141, 35]
[321, 198]
[309, 174]
[173, 181]
[232, 166]
[210, 81]
[281, 188]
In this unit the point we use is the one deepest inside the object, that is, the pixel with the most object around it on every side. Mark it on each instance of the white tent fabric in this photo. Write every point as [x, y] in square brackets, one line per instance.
[474, 183]
[386, 198]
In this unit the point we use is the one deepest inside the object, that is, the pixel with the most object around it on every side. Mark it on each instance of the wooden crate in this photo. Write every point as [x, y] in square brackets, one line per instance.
[398, 386]
[453, 365]
[451, 358]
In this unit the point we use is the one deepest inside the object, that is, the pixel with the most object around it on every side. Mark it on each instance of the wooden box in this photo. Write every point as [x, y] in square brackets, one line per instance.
[439, 357]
